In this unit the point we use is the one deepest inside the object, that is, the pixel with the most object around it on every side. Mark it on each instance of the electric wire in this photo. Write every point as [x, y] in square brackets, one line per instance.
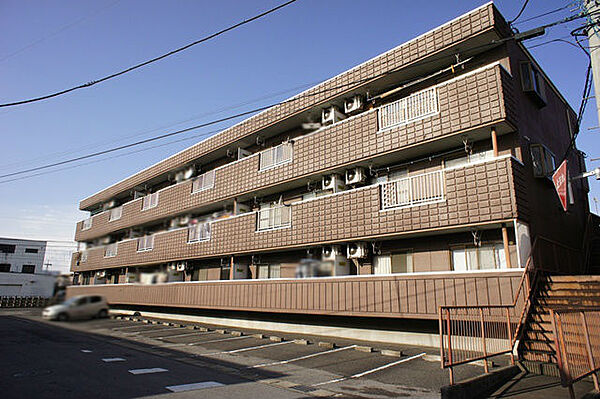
[543, 14]
[519, 14]
[155, 59]
[296, 98]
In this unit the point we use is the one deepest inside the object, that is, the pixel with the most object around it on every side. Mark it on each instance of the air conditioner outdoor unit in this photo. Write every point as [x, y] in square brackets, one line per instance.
[101, 274]
[243, 153]
[109, 205]
[333, 182]
[184, 220]
[353, 105]
[331, 115]
[185, 174]
[181, 266]
[355, 176]
[330, 252]
[357, 250]
[105, 241]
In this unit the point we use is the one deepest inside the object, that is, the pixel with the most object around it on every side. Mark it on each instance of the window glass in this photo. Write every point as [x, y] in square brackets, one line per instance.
[402, 262]
[537, 159]
[486, 257]
[549, 161]
[5, 267]
[526, 76]
[28, 269]
[459, 260]
[382, 264]
[31, 250]
[95, 299]
[7, 248]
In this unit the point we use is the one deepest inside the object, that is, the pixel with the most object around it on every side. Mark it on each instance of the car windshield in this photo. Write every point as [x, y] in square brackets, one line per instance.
[76, 300]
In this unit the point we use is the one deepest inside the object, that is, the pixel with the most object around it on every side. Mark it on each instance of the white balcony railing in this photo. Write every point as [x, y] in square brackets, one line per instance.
[204, 182]
[276, 156]
[111, 250]
[150, 201]
[86, 224]
[199, 232]
[413, 190]
[115, 213]
[145, 243]
[273, 218]
[84, 256]
[408, 109]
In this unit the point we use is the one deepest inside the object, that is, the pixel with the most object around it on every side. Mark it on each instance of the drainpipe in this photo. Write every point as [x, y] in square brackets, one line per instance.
[494, 142]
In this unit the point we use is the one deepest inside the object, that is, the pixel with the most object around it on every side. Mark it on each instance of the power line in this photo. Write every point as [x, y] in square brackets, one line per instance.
[124, 71]
[346, 85]
[519, 14]
[542, 15]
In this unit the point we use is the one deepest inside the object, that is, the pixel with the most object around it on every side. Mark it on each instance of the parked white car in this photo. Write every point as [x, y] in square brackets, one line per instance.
[78, 307]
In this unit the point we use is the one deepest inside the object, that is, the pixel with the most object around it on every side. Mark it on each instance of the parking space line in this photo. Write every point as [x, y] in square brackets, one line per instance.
[113, 359]
[186, 334]
[247, 349]
[147, 371]
[301, 357]
[385, 366]
[194, 386]
[217, 340]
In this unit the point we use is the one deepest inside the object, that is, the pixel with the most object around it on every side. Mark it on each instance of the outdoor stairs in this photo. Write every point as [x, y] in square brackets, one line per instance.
[537, 349]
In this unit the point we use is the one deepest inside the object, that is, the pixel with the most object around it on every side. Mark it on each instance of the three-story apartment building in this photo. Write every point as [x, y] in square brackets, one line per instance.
[416, 179]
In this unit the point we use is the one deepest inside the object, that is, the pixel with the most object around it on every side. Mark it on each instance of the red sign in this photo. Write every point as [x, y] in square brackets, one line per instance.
[560, 183]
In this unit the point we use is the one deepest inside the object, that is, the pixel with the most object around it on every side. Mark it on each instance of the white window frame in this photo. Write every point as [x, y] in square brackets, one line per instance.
[205, 181]
[86, 224]
[115, 213]
[199, 232]
[276, 156]
[500, 262]
[111, 250]
[273, 218]
[145, 243]
[150, 201]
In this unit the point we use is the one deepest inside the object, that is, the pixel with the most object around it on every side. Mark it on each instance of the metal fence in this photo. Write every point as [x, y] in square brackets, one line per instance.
[23, 301]
[273, 218]
[408, 109]
[413, 190]
[577, 341]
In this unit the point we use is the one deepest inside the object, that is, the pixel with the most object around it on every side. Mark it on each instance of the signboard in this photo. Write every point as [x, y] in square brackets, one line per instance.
[560, 183]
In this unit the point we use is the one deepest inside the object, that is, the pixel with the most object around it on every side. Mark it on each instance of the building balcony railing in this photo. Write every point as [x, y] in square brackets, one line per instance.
[199, 232]
[414, 190]
[473, 194]
[466, 103]
[410, 296]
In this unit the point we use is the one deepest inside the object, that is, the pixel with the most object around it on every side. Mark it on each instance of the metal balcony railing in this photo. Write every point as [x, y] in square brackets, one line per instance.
[204, 182]
[273, 218]
[115, 213]
[408, 109]
[86, 224]
[150, 201]
[199, 232]
[111, 250]
[413, 190]
[276, 156]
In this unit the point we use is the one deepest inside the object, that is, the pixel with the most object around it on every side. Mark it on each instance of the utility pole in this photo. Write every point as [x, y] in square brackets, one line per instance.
[592, 7]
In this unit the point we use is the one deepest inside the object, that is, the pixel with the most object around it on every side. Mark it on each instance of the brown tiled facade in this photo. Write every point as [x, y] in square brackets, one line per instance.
[478, 142]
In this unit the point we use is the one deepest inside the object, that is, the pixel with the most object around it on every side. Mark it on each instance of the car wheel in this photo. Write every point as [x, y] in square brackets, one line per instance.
[102, 314]
[62, 317]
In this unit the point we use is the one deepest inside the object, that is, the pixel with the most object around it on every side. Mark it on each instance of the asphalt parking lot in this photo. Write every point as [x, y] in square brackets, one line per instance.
[96, 357]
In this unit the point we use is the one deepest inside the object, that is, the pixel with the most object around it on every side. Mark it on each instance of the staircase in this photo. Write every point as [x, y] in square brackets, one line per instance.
[537, 348]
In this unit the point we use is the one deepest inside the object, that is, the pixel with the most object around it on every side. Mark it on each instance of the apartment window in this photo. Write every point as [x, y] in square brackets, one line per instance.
[145, 243]
[276, 156]
[150, 201]
[401, 262]
[7, 248]
[532, 82]
[30, 269]
[199, 232]
[115, 213]
[84, 256]
[484, 257]
[86, 224]
[111, 250]
[543, 160]
[5, 267]
[274, 217]
[200, 274]
[468, 159]
[31, 250]
[204, 182]
[268, 271]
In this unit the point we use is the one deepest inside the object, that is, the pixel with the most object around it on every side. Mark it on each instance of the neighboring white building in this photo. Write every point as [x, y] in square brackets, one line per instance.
[22, 268]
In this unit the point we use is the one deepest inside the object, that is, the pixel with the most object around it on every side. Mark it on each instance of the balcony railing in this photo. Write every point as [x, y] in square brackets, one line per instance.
[276, 156]
[204, 182]
[145, 243]
[86, 224]
[413, 190]
[150, 201]
[199, 232]
[409, 109]
[115, 214]
[273, 218]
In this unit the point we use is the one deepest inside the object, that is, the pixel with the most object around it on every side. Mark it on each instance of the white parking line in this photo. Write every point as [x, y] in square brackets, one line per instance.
[218, 340]
[147, 371]
[385, 366]
[113, 359]
[186, 334]
[301, 357]
[194, 386]
[86, 351]
[248, 349]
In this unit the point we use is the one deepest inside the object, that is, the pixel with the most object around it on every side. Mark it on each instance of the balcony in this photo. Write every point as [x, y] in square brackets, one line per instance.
[484, 192]
[467, 103]
[414, 190]
[408, 296]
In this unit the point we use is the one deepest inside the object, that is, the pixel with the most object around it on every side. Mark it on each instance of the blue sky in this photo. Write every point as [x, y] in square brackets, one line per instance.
[47, 46]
